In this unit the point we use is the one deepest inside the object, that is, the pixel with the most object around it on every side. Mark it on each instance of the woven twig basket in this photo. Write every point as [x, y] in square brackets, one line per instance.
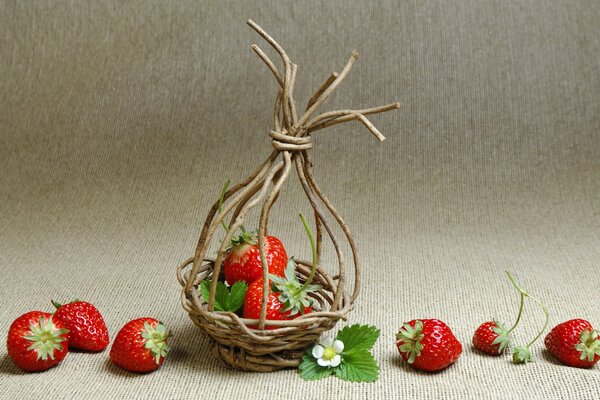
[237, 345]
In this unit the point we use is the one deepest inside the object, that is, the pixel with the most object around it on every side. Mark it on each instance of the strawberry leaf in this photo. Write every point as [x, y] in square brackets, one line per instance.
[235, 299]
[221, 295]
[358, 337]
[310, 370]
[224, 299]
[358, 366]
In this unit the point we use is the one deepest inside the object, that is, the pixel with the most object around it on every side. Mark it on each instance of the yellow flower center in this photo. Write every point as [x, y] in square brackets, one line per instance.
[329, 353]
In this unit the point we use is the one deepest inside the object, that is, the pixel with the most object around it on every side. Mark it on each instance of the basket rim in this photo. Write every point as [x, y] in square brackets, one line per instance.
[194, 303]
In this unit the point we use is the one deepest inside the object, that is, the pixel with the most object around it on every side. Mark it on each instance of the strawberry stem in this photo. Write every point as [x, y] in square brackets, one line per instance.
[546, 313]
[522, 301]
[221, 199]
[522, 353]
[314, 253]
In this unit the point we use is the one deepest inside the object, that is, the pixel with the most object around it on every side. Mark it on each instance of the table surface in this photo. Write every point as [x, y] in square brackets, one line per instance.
[120, 123]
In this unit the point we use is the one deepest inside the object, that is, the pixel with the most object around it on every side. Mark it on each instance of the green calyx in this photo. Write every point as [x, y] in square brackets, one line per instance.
[503, 338]
[245, 237]
[522, 355]
[156, 340]
[295, 295]
[589, 345]
[46, 338]
[411, 338]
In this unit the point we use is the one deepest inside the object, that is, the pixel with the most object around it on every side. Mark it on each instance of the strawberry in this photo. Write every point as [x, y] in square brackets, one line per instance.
[275, 308]
[243, 260]
[288, 298]
[428, 344]
[87, 330]
[491, 338]
[574, 343]
[37, 341]
[141, 345]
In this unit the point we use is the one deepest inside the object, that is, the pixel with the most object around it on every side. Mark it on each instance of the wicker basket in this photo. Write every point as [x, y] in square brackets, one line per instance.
[282, 345]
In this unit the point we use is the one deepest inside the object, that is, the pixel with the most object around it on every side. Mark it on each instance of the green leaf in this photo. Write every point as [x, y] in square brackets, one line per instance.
[224, 300]
[205, 289]
[310, 370]
[358, 337]
[221, 296]
[235, 299]
[358, 366]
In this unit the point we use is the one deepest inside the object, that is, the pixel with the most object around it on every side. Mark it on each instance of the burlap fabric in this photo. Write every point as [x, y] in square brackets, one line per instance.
[119, 123]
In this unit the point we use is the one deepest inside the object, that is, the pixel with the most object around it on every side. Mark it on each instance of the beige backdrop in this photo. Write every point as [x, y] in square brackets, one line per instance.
[120, 122]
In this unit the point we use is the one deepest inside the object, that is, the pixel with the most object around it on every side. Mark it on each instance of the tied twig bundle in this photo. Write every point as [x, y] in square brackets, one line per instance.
[259, 349]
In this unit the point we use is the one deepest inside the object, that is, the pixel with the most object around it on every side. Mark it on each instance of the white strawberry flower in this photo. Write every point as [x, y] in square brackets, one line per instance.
[328, 351]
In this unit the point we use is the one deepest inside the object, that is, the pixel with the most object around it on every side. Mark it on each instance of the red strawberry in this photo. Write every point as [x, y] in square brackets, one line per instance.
[491, 338]
[37, 341]
[428, 344]
[574, 343]
[275, 308]
[288, 298]
[243, 261]
[141, 345]
[87, 330]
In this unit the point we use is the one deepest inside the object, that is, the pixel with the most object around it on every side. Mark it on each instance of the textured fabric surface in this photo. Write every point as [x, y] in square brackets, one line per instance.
[120, 122]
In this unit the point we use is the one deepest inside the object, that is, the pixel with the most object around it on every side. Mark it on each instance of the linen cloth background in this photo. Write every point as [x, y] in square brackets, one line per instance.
[120, 121]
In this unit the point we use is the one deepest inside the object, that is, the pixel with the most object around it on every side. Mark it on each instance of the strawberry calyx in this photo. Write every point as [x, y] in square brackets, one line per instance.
[294, 294]
[156, 340]
[522, 355]
[245, 237]
[411, 338]
[589, 345]
[45, 337]
[503, 338]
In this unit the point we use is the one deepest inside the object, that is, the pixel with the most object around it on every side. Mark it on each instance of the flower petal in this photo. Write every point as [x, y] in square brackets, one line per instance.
[326, 342]
[318, 351]
[338, 346]
[323, 362]
[335, 361]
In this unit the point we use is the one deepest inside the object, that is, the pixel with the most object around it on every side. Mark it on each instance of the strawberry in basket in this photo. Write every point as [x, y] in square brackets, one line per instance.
[243, 260]
[288, 298]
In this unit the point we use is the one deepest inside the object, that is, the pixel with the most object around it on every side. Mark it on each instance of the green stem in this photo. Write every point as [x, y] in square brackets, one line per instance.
[313, 247]
[522, 303]
[514, 283]
[518, 315]
[221, 198]
[545, 322]
[534, 299]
